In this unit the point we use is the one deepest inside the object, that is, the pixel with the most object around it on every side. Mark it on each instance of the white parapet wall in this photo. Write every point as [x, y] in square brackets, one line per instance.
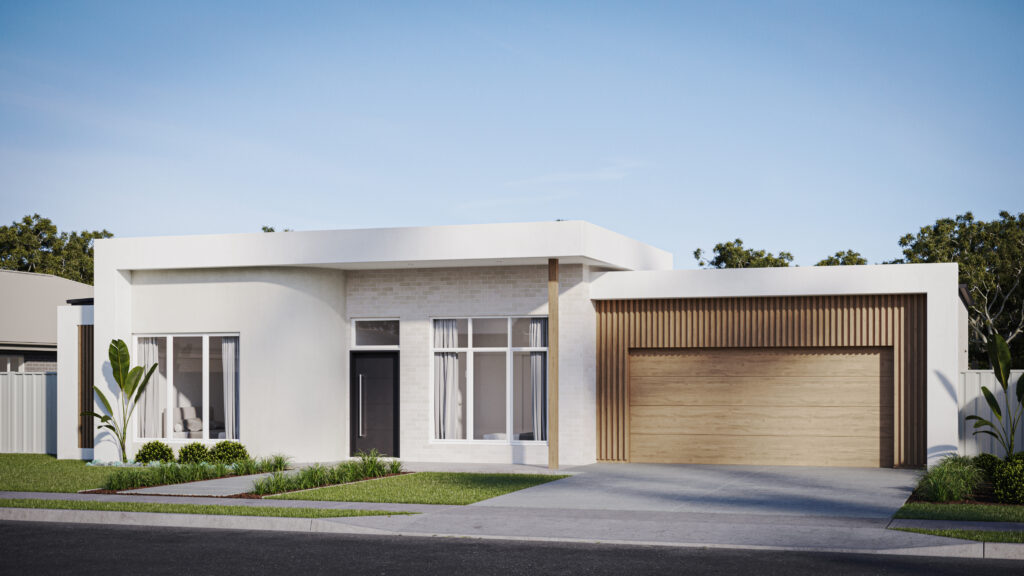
[28, 412]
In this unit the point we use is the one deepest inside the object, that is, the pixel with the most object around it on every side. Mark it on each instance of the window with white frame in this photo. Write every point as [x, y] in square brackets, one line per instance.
[197, 378]
[490, 379]
[375, 333]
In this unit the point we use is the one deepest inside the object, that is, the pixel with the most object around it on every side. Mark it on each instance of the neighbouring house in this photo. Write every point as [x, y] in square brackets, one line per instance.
[555, 343]
[28, 357]
[28, 318]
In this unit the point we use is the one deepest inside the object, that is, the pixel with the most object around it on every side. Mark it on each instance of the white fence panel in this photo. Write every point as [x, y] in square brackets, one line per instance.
[973, 403]
[28, 412]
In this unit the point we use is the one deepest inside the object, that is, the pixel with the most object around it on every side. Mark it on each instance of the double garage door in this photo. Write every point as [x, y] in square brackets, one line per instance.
[762, 406]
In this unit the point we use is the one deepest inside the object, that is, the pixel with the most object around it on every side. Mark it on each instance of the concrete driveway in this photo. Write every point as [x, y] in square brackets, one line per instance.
[766, 490]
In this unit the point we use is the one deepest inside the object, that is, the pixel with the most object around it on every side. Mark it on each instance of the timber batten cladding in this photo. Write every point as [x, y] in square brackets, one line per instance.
[86, 426]
[896, 321]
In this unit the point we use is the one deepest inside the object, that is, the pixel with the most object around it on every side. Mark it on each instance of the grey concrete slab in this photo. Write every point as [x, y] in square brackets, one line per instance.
[218, 487]
[750, 490]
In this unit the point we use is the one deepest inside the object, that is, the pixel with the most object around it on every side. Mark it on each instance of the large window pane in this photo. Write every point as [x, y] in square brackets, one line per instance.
[490, 333]
[529, 395]
[451, 333]
[152, 406]
[450, 397]
[376, 332]
[489, 371]
[529, 332]
[187, 411]
[223, 387]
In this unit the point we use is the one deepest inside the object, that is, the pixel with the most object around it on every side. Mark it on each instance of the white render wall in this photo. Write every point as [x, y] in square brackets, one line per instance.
[69, 318]
[294, 326]
[416, 297]
[938, 282]
[292, 342]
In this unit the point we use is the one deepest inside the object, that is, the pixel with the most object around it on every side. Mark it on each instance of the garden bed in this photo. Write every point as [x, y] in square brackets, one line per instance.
[164, 474]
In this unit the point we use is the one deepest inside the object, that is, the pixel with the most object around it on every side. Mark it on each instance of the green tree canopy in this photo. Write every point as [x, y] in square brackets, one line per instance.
[734, 255]
[33, 244]
[991, 260]
[847, 258]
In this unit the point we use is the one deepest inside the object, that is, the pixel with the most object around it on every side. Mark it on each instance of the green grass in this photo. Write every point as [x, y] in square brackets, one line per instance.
[43, 473]
[425, 488]
[972, 512]
[977, 535]
[207, 509]
[368, 465]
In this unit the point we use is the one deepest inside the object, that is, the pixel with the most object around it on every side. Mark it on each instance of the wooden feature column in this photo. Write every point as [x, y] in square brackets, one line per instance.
[553, 363]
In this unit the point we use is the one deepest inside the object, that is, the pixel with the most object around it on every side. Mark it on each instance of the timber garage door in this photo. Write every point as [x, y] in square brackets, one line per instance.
[762, 406]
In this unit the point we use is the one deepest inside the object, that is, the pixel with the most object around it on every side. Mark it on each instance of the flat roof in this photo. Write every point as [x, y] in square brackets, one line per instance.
[573, 242]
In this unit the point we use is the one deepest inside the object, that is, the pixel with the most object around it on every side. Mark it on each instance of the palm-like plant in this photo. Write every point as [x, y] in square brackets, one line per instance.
[1006, 431]
[132, 382]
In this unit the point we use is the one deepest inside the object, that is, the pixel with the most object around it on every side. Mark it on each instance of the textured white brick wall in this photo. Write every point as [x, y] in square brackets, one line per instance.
[417, 296]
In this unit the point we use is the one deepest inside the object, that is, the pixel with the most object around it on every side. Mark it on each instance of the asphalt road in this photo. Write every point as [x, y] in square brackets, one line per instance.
[28, 548]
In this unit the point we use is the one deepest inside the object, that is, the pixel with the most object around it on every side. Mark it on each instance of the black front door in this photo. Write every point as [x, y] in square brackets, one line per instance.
[374, 401]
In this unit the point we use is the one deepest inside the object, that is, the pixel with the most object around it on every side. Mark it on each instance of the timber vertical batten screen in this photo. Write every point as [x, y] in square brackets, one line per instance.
[85, 392]
[892, 321]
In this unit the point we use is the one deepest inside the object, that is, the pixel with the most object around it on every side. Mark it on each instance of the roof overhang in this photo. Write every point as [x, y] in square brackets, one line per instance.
[419, 247]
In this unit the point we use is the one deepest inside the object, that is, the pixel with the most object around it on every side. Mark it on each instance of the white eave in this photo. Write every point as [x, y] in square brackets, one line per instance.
[419, 247]
[793, 281]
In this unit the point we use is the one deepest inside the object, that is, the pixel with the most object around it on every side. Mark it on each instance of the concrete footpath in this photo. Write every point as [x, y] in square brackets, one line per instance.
[653, 528]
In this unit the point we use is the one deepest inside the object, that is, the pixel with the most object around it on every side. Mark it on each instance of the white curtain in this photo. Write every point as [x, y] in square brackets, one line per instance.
[449, 421]
[538, 377]
[229, 360]
[150, 408]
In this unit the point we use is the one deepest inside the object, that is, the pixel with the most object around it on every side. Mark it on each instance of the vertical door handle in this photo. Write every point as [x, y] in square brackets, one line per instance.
[362, 430]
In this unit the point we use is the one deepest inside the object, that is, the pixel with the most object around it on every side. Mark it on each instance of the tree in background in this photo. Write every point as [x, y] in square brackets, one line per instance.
[847, 258]
[271, 229]
[991, 260]
[734, 255]
[33, 244]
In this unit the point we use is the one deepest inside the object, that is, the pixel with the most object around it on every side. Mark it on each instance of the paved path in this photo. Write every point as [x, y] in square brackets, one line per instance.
[229, 486]
[234, 485]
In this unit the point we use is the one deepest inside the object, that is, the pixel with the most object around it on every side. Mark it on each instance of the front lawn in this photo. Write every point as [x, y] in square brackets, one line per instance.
[977, 535]
[206, 509]
[973, 512]
[425, 488]
[44, 473]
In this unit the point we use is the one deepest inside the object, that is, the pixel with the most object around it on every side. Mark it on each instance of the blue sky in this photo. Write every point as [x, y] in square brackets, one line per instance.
[810, 127]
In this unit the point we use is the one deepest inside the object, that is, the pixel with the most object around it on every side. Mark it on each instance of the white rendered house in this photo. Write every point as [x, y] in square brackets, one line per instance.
[555, 343]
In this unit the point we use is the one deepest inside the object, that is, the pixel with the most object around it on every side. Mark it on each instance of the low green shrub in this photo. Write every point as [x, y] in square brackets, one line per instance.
[954, 478]
[368, 465]
[987, 463]
[155, 451]
[1015, 457]
[193, 453]
[176, 473]
[228, 452]
[1008, 482]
